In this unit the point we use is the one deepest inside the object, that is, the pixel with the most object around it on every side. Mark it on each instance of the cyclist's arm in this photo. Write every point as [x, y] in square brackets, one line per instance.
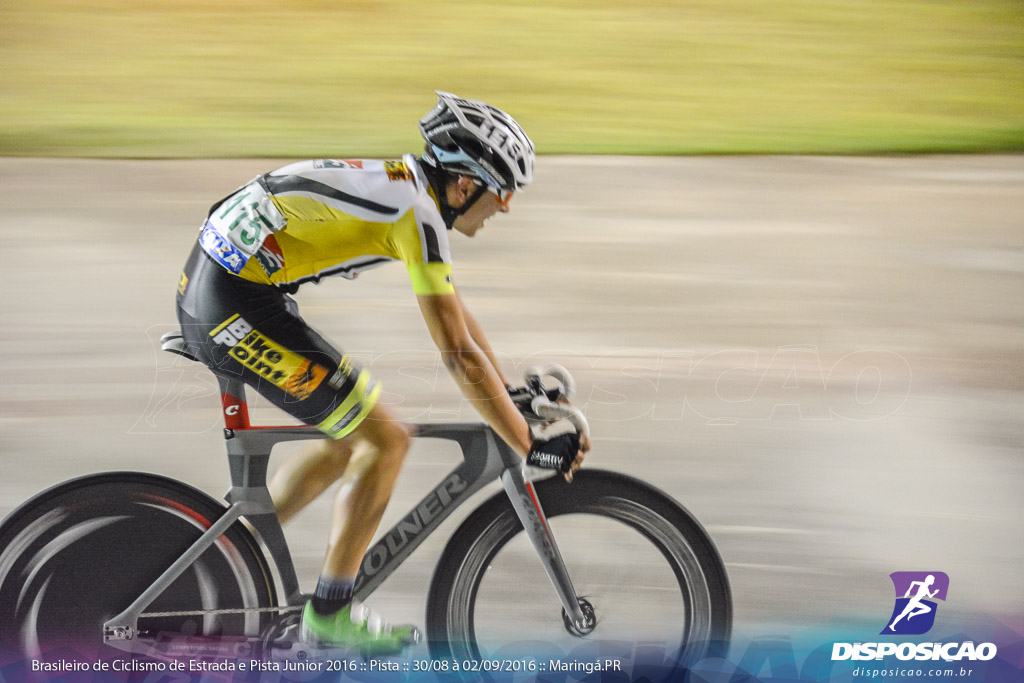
[472, 369]
[477, 333]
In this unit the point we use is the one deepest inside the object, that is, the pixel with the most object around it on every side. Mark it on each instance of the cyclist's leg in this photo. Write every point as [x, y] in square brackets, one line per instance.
[382, 441]
[305, 475]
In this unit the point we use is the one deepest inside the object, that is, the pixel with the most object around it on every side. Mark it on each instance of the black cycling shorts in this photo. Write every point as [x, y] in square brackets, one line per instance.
[253, 332]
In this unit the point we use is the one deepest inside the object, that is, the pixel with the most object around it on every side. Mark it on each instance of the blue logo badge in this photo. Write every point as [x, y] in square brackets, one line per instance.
[916, 592]
[222, 251]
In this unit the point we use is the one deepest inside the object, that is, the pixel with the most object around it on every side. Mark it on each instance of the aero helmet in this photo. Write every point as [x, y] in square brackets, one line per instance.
[472, 138]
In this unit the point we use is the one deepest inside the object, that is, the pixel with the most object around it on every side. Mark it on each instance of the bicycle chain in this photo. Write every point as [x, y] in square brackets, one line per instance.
[204, 612]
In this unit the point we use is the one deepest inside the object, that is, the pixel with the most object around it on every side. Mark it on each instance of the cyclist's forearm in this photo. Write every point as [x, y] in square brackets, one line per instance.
[485, 347]
[473, 372]
[477, 333]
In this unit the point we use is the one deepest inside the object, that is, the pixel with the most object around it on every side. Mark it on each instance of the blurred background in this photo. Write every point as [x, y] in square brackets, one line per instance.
[232, 78]
[814, 344]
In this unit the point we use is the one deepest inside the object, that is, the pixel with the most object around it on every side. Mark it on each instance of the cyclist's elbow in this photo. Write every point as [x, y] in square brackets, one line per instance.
[458, 358]
[465, 363]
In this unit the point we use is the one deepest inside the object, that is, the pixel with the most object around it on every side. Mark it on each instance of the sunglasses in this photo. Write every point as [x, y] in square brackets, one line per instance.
[504, 196]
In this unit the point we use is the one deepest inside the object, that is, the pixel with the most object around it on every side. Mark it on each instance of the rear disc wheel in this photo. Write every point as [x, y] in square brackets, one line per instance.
[78, 554]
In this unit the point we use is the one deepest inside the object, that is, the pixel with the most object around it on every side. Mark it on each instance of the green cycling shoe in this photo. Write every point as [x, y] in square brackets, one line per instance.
[355, 630]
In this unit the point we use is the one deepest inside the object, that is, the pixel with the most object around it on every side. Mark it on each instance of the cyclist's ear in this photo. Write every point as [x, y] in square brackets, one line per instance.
[459, 190]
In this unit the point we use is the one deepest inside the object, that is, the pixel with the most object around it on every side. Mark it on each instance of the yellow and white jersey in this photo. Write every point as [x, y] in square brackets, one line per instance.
[325, 217]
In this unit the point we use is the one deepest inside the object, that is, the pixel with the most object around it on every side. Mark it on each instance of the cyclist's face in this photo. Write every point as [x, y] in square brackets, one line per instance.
[486, 205]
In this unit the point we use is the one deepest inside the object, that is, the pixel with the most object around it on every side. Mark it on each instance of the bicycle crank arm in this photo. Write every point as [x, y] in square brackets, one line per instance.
[527, 507]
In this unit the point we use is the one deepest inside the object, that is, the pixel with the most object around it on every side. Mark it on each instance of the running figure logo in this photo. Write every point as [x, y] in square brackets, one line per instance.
[914, 612]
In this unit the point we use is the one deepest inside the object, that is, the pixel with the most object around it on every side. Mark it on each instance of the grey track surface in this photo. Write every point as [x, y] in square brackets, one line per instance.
[822, 358]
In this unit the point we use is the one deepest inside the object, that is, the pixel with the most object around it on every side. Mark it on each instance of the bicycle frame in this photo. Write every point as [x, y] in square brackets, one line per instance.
[485, 458]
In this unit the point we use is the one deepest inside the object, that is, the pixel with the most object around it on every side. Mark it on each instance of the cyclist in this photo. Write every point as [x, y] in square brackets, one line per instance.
[318, 218]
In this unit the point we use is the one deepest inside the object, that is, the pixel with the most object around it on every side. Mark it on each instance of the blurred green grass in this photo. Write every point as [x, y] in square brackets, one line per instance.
[183, 78]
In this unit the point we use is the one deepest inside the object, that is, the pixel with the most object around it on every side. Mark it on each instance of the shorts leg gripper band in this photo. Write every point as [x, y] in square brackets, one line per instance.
[347, 416]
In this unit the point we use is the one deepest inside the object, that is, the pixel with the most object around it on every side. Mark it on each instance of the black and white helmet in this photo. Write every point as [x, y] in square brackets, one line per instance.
[472, 138]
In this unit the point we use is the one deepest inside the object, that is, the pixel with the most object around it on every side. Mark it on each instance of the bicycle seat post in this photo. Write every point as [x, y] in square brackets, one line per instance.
[248, 451]
[248, 470]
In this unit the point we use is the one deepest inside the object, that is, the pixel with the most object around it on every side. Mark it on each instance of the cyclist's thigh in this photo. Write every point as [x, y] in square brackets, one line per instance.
[254, 332]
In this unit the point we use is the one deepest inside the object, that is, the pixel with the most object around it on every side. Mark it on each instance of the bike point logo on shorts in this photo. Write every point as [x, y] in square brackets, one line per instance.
[288, 370]
[916, 593]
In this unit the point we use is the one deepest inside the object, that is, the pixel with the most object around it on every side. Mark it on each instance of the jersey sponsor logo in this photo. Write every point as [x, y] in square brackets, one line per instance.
[221, 251]
[397, 170]
[338, 163]
[270, 256]
[292, 373]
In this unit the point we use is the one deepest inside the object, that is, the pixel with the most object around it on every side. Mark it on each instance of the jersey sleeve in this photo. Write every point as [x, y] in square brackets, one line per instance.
[421, 241]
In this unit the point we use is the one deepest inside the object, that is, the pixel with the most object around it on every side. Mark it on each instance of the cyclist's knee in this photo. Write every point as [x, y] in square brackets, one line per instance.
[396, 441]
[387, 434]
[337, 448]
[337, 453]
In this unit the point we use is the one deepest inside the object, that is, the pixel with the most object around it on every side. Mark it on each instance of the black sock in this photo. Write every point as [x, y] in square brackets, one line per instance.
[332, 594]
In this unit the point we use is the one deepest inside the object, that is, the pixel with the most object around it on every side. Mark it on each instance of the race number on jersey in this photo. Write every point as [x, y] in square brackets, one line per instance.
[236, 230]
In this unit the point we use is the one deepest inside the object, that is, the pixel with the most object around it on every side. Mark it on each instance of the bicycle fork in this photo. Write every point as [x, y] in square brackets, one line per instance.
[527, 506]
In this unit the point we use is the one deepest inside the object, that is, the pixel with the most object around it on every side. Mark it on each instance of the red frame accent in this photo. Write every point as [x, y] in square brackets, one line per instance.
[185, 510]
[193, 514]
[236, 419]
[540, 513]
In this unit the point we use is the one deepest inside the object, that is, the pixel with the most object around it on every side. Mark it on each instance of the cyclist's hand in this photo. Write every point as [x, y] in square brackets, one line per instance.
[578, 461]
[558, 447]
[585, 444]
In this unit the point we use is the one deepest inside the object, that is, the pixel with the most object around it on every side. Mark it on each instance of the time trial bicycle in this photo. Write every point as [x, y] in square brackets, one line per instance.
[145, 564]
